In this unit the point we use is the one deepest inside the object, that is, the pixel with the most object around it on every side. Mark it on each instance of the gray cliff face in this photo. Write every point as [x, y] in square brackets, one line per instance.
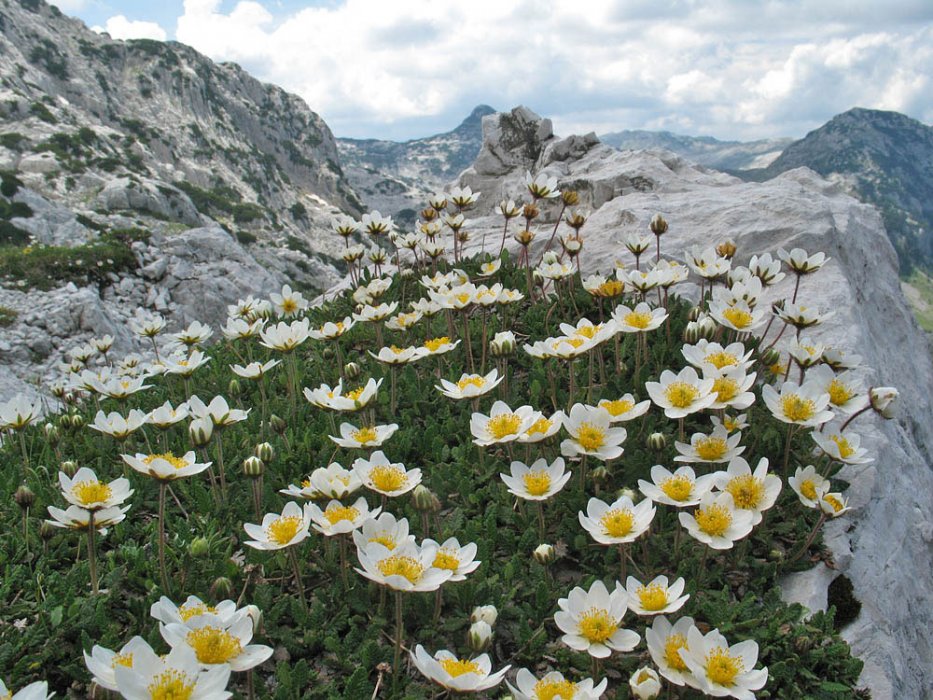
[885, 544]
[705, 150]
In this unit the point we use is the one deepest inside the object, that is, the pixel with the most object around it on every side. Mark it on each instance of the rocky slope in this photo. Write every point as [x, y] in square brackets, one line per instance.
[396, 178]
[705, 150]
[885, 546]
[883, 158]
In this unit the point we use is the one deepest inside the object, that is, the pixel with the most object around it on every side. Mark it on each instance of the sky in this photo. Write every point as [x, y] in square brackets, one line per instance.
[400, 69]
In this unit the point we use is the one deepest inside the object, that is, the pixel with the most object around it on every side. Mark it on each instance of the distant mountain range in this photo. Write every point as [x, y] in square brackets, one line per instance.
[396, 177]
[705, 150]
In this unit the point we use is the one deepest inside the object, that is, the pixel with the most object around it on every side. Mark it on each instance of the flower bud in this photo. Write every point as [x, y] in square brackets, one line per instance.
[77, 421]
[658, 225]
[485, 613]
[502, 344]
[351, 370]
[264, 451]
[425, 501]
[327, 353]
[278, 424]
[570, 198]
[69, 468]
[549, 258]
[253, 467]
[200, 431]
[24, 497]
[695, 313]
[630, 494]
[657, 441]
[199, 547]
[234, 388]
[429, 214]
[222, 588]
[600, 474]
[65, 421]
[726, 250]
[480, 636]
[706, 327]
[645, 684]
[52, 434]
[882, 400]
[691, 333]
[770, 357]
[47, 530]
[544, 554]
[255, 614]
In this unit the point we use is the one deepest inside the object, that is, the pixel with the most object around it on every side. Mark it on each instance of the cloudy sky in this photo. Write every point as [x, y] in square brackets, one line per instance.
[734, 69]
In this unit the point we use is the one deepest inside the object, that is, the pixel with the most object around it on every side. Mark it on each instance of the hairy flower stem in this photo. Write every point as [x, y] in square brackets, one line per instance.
[806, 545]
[296, 570]
[790, 434]
[163, 572]
[573, 385]
[468, 346]
[220, 465]
[22, 446]
[505, 231]
[399, 632]
[541, 527]
[623, 562]
[92, 553]
[554, 232]
[342, 539]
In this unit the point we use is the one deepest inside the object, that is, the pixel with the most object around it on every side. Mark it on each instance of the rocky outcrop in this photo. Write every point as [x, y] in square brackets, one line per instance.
[885, 545]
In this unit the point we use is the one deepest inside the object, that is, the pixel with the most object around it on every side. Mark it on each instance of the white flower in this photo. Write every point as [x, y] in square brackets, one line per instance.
[620, 522]
[76, 518]
[800, 315]
[254, 370]
[39, 690]
[288, 303]
[374, 223]
[456, 674]
[809, 486]
[641, 319]
[338, 519]
[716, 448]
[731, 387]
[122, 387]
[405, 568]
[645, 683]
[804, 405]
[86, 491]
[722, 670]
[766, 268]
[487, 269]
[832, 504]
[164, 417]
[703, 352]
[241, 329]
[624, 409]
[450, 556]
[553, 685]
[738, 316]
[538, 482]
[801, 263]
[842, 447]
[469, 386]
[665, 642]
[332, 330]
[384, 528]
[215, 645]
[542, 186]
[332, 481]
[438, 346]
[148, 327]
[102, 662]
[592, 620]
[280, 530]
[881, 399]
[117, 426]
[682, 488]
[285, 337]
[164, 610]
[166, 467]
[374, 314]
[355, 399]
[655, 598]
[681, 394]
[194, 334]
[218, 410]
[485, 613]
[543, 428]
[394, 355]
[501, 425]
[387, 478]
[755, 492]
[591, 434]
[364, 437]
[716, 522]
[182, 366]
[845, 393]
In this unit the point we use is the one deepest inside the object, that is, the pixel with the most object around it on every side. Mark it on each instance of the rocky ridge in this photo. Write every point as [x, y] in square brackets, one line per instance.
[885, 545]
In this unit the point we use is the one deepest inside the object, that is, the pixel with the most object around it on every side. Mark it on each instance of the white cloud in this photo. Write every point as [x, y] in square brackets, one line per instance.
[119, 27]
[729, 68]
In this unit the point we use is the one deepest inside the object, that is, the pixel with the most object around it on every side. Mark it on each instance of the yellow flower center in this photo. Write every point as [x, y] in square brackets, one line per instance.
[396, 350]
[796, 408]
[172, 685]
[672, 647]
[836, 504]
[540, 426]
[711, 448]
[747, 491]
[306, 483]
[458, 667]
[643, 677]
[91, 492]
[548, 690]
[503, 425]
[839, 393]
[213, 645]
[681, 394]
[446, 559]
[610, 288]
[335, 514]
[653, 597]
[289, 305]
[388, 477]
[283, 529]
[365, 435]
[618, 407]
[617, 522]
[384, 538]
[176, 462]
[122, 660]
[637, 319]
[722, 667]
[590, 436]
[677, 488]
[730, 423]
[537, 482]
[472, 380]
[488, 268]
[596, 626]
[463, 297]
[808, 489]
[406, 567]
[572, 342]
[714, 520]
[721, 359]
[725, 389]
[588, 331]
[355, 394]
[434, 343]
[186, 612]
[740, 318]
[845, 449]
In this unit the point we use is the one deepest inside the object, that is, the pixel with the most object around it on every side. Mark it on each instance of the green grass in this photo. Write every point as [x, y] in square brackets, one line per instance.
[921, 298]
[332, 649]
